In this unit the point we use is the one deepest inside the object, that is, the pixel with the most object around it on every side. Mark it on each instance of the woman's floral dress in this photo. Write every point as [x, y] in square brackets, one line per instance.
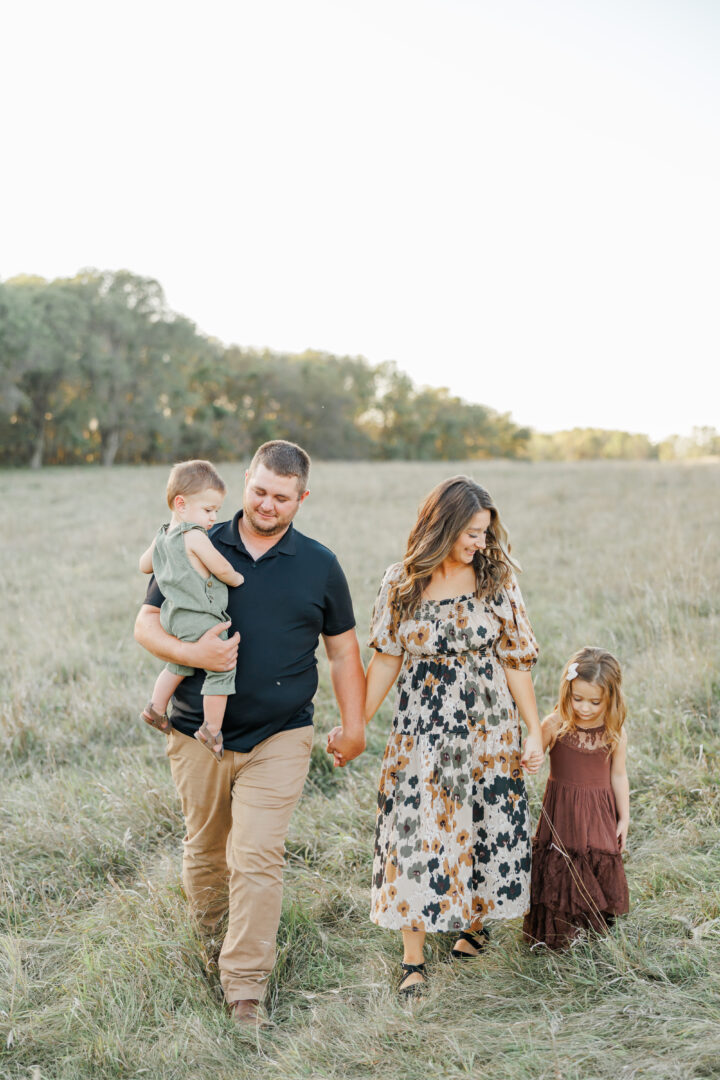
[452, 840]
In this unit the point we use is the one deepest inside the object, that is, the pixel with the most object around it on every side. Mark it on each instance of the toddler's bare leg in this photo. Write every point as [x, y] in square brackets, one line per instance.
[214, 712]
[165, 686]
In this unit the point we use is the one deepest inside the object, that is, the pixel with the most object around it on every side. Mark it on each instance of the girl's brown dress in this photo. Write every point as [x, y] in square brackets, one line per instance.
[577, 879]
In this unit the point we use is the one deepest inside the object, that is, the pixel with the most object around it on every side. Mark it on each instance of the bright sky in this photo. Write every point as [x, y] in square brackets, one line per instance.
[517, 199]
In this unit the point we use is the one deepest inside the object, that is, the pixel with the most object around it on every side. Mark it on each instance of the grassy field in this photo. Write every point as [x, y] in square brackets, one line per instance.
[103, 975]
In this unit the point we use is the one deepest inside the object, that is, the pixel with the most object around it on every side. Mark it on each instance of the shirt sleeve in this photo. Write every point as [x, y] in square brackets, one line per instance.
[516, 646]
[384, 623]
[338, 615]
[153, 596]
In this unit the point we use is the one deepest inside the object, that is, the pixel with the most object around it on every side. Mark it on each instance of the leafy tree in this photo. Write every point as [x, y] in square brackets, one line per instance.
[314, 399]
[430, 423]
[702, 442]
[98, 368]
[135, 362]
[41, 339]
[587, 444]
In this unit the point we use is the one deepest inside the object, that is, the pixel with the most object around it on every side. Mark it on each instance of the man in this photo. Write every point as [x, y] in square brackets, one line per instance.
[237, 810]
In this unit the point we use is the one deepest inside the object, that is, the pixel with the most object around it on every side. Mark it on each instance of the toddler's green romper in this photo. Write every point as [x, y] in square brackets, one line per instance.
[192, 604]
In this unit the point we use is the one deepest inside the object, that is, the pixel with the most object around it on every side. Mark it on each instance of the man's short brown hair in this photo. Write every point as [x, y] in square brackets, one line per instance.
[190, 477]
[285, 459]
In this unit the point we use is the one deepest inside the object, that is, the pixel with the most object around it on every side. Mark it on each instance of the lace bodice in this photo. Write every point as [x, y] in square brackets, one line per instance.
[586, 740]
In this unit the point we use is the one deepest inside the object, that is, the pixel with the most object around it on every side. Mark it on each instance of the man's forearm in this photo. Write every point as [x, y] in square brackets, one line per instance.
[348, 680]
[210, 651]
[150, 634]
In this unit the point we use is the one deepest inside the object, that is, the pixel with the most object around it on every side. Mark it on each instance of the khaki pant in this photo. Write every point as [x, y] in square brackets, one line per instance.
[237, 813]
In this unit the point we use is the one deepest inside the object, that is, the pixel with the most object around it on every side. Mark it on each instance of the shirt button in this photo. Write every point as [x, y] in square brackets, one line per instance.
[209, 584]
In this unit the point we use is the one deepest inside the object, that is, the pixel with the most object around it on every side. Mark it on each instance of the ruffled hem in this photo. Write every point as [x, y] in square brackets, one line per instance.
[584, 884]
[557, 929]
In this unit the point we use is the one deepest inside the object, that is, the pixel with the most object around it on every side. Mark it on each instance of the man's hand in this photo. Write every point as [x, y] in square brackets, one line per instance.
[348, 680]
[209, 651]
[343, 747]
[212, 653]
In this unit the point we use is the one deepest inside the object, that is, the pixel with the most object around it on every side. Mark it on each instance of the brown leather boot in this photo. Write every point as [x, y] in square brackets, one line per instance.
[248, 1013]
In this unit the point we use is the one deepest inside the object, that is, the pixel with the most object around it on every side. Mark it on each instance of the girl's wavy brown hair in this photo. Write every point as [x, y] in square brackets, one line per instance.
[444, 514]
[601, 668]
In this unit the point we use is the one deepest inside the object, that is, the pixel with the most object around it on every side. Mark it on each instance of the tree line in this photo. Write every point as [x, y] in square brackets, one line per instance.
[98, 368]
[588, 444]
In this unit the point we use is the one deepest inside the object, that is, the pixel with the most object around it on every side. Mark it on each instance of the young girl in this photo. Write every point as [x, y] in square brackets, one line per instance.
[578, 879]
[193, 577]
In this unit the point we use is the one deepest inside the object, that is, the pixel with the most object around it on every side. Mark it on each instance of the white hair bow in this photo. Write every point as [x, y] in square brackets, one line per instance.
[571, 672]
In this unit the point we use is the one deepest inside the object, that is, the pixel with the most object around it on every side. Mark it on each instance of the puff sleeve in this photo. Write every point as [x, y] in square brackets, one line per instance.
[383, 625]
[516, 646]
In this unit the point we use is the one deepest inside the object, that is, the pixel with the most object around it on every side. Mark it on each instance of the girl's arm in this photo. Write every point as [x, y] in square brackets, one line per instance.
[549, 730]
[201, 545]
[146, 559]
[521, 687]
[621, 789]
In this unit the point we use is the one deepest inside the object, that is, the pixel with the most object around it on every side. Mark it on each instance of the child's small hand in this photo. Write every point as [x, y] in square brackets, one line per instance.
[533, 754]
[238, 580]
[621, 832]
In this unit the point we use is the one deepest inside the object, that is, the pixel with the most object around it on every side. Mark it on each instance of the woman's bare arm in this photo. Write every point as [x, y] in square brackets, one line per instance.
[381, 674]
[521, 687]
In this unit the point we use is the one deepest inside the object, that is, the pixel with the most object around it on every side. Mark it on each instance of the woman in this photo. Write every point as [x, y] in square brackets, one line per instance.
[452, 843]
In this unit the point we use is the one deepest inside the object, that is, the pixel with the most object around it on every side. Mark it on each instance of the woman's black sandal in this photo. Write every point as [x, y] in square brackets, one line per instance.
[477, 938]
[417, 988]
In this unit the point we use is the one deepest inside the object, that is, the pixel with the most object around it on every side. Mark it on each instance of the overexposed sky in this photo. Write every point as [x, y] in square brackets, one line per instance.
[516, 199]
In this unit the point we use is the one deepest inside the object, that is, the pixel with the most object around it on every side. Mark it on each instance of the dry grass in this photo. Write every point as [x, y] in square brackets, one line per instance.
[101, 973]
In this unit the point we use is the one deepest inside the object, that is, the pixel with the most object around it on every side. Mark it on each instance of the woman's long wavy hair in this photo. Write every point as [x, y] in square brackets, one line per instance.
[601, 668]
[445, 513]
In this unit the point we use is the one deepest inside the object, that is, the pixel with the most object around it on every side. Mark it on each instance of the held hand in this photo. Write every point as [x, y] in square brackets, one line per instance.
[338, 758]
[213, 653]
[342, 747]
[621, 833]
[533, 754]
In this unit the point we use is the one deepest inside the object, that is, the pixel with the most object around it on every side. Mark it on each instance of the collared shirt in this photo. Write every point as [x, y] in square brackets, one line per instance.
[292, 594]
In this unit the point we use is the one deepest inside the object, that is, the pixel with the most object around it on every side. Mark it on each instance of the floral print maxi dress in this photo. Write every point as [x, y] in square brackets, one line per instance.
[452, 839]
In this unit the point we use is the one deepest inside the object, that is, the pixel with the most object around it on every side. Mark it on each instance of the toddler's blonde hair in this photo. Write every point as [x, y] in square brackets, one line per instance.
[599, 667]
[190, 477]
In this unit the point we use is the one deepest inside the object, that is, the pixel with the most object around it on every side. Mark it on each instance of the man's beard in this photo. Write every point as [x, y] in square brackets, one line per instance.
[260, 527]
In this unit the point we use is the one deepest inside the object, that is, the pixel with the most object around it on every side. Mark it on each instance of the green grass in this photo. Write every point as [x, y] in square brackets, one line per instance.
[103, 975]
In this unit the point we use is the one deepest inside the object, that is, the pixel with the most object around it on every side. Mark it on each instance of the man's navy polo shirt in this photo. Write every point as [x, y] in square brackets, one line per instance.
[291, 594]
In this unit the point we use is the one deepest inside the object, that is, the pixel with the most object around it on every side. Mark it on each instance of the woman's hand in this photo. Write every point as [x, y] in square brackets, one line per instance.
[621, 832]
[533, 754]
